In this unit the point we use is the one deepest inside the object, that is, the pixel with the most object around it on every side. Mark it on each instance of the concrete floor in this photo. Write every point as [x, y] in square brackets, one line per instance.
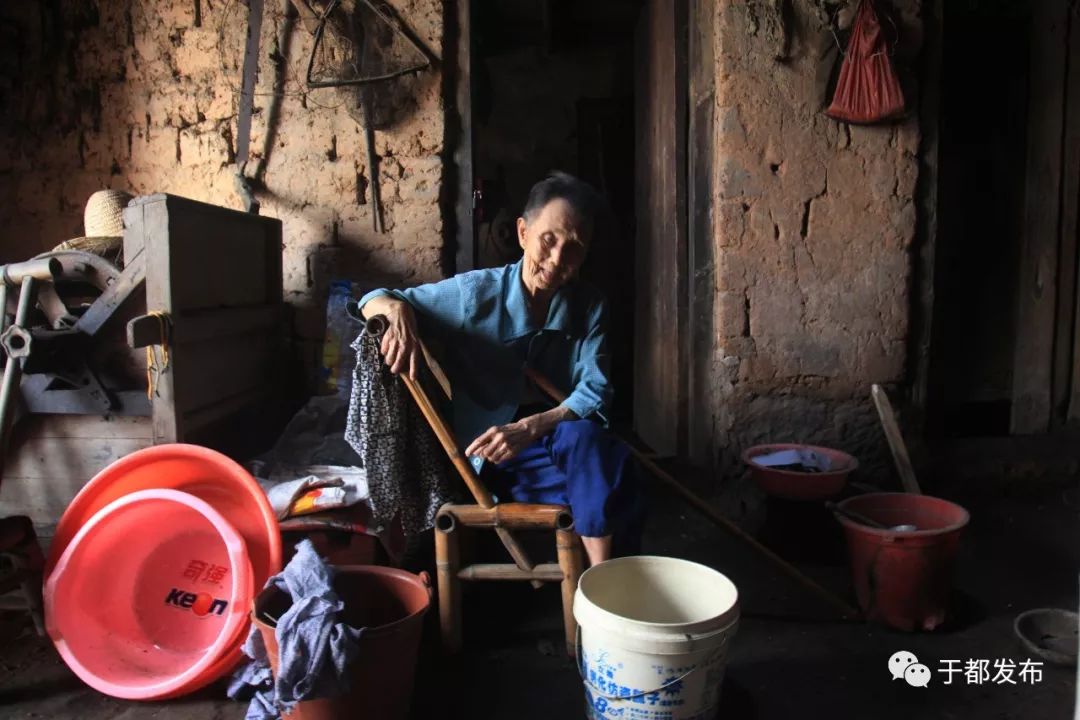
[789, 659]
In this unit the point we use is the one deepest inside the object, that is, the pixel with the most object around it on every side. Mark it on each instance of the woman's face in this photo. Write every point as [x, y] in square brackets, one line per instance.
[554, 242]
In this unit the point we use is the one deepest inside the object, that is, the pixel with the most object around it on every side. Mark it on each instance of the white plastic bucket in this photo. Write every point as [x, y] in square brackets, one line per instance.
[653, 638]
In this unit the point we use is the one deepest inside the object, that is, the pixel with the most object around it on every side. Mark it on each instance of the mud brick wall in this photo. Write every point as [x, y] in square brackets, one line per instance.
[142, 95]
[814, 225]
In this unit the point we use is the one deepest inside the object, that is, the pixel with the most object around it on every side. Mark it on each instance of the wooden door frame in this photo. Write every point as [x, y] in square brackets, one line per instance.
[700, 408]
[662, 344]
[1043, 357]
[458, 174]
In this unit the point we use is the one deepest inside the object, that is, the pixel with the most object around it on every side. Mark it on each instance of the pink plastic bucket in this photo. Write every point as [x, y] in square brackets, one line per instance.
[148, 594]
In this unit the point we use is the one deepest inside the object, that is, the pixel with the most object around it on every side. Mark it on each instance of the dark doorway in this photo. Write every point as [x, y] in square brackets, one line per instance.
[984, 134]
[553, 89]
[1006, 342]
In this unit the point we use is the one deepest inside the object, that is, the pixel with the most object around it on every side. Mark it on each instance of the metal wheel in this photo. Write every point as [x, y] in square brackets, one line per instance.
[64, 300]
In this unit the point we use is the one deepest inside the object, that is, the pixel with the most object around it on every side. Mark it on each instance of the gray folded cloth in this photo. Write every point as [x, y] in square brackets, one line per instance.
[315, 647]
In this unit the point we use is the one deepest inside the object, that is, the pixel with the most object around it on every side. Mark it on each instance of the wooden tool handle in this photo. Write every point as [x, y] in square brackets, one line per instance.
[896, 440]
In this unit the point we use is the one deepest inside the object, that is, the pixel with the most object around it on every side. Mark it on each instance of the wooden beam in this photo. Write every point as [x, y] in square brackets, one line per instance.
[460, 130]
[148, 222]
[1038, 285]
[925, 330]
[701, 285]
[1070, 226]
[661, 258]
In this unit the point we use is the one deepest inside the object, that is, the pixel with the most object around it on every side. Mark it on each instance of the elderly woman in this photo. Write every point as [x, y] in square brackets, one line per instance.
[493, 324]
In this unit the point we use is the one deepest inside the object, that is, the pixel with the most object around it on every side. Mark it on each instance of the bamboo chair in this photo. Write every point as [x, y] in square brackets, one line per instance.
[503, 518]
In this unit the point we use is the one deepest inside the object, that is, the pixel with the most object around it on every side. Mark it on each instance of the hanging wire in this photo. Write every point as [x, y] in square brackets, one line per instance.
[289, 78]
[379, 12]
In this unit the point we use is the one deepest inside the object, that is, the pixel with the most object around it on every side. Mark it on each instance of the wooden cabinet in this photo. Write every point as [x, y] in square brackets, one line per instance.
[215, 275]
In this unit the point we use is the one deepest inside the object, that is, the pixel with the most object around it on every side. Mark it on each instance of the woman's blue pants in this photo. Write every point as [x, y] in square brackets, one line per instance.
[581, 465]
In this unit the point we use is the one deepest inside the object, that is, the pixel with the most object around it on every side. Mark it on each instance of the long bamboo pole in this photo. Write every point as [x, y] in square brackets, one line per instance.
[846, 610]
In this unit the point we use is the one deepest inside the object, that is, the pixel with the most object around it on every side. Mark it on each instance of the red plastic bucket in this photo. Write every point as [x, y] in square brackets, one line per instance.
[903, 578]
[390, 605]
[148, 595]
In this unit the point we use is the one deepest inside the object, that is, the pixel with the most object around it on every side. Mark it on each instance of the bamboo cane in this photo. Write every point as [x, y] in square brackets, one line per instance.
[544, 572]
[569, 551]
[377, 325]
[515, 516]
[447, 563]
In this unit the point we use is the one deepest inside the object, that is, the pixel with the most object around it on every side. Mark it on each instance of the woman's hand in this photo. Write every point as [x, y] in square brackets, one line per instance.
[502, 443]
[400, 345]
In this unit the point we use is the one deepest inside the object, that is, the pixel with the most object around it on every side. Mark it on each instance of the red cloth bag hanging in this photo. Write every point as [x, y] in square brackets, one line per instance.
[867, 90]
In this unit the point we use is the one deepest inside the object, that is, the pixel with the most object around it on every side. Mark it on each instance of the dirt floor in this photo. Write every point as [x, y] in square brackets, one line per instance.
[789, 658]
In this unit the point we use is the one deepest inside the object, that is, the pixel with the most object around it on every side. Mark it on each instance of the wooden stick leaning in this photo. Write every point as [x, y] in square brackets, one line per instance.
[896, 440]
[461, 464]
[846, 610]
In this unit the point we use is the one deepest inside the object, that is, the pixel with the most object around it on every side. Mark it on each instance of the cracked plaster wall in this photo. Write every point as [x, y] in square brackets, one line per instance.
[142, 95]
[814, 223]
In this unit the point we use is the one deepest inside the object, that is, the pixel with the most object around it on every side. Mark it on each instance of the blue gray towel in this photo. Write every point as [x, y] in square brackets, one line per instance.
[315, 648]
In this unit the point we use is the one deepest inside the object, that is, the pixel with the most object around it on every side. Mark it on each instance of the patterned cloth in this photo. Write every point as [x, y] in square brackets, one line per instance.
[405, 465]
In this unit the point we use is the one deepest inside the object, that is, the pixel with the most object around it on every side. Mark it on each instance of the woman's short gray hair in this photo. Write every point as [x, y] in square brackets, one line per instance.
[562, 186]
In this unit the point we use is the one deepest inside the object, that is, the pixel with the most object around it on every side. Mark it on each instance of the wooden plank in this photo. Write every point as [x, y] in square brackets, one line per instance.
[206, 325]
[84, 426]
[460, 131]
[45, 473]
[219, 260]
[212, 413]
[896, 440]
[1037, 288]
[660, 341]
[222, 368]
[151, 226]
[700, 241]
[80, 458]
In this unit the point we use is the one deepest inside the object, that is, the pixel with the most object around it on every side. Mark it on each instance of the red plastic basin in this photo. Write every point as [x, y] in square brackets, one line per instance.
[209, 476]
[795, 485]
[148, 595]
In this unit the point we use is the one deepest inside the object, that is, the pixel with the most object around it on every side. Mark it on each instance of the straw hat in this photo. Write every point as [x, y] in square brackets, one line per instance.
[103, 223]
